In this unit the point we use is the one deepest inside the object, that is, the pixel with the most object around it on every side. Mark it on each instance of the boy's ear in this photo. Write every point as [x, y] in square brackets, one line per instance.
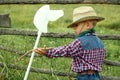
[88, 25]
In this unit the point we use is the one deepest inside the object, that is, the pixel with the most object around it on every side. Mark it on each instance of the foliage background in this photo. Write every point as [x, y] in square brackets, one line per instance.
[22, 18]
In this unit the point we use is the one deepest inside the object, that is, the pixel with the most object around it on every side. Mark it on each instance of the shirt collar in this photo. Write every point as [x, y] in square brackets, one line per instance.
[88, 32]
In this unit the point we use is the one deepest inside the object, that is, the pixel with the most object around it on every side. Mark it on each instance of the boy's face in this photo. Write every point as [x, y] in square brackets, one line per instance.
[82, 26]
[78, 27]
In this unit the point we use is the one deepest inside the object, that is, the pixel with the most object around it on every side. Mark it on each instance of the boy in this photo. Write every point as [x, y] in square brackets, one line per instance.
[87, 50]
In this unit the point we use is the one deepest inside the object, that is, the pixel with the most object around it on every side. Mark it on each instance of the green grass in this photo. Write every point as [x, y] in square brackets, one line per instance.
[22, 18]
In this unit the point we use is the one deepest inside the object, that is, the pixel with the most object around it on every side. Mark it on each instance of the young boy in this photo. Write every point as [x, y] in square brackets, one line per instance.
[87, 50]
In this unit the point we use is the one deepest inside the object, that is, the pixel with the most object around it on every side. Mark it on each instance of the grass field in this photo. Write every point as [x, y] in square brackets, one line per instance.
[22, 18]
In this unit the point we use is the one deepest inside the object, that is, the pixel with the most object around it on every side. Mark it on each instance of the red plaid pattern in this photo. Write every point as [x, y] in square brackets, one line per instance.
[82, 59]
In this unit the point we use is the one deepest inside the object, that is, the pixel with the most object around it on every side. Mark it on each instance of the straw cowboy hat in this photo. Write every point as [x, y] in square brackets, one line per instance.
[85, 13]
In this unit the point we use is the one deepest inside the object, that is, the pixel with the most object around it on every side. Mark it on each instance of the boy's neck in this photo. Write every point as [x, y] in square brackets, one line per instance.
[87, 31]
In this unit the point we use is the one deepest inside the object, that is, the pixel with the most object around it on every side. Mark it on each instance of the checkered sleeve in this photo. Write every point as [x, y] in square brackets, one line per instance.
[69, 50]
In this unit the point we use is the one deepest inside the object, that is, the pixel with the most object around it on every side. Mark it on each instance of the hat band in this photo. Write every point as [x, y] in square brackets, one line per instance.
[79, 16]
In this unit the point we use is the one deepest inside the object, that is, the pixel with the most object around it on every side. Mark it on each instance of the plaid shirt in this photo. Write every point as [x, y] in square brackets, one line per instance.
[87, 52]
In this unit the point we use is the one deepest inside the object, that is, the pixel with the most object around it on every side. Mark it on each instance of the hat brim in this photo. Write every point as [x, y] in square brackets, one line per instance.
[85, 19]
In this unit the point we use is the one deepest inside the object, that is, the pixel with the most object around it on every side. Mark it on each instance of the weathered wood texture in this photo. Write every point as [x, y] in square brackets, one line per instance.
[58, 73]
[15, 51]
[111, 63]
[54, 35]
[5, 20]
[59, 1]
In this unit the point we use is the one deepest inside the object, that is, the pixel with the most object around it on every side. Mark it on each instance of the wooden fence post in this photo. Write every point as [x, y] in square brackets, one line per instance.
[5, 20]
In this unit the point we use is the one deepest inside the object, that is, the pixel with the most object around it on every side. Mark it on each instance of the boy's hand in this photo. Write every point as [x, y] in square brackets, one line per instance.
[40, 51]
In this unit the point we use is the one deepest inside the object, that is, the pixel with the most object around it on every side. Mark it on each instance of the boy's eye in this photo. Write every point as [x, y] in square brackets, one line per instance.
[75, 25]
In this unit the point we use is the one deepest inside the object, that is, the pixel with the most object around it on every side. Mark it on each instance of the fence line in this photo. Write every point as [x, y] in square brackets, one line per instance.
[45, 71]
[15, 51]
[59, 1]
[107, 62]
[53, 35]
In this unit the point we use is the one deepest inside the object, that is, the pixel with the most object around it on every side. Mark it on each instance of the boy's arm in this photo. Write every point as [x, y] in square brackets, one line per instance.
[70, 50]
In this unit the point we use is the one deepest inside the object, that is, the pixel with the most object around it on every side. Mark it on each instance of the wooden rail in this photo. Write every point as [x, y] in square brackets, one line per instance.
[45, 71]
[107, 62]
[59, 1]
[54, 35]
